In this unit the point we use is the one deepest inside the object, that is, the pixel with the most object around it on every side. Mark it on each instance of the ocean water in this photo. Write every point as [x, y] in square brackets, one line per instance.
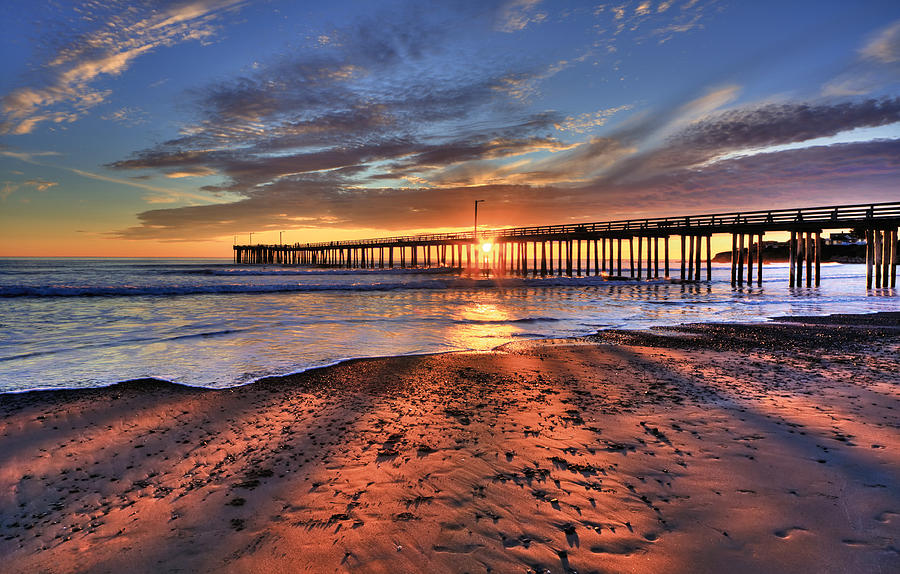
[92, 322]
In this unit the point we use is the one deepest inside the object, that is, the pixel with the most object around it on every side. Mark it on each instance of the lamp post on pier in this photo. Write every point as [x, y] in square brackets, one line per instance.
[475, 228]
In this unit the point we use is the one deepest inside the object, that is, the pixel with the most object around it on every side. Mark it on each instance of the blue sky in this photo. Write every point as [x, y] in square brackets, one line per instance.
[170, 127]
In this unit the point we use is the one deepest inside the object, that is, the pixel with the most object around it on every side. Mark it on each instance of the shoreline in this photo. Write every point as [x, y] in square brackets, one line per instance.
[878, 318]
[752, 447]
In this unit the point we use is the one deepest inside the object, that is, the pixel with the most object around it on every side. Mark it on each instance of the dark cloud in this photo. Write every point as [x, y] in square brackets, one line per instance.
[781, 179]
[787, 123]
[751, 128]
[607, 181]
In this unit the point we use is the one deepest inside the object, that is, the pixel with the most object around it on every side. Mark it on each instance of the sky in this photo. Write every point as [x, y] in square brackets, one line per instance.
[177, 128]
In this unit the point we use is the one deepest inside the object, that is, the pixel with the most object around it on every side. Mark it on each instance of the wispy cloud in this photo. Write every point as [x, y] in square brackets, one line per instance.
[586, 122]
[27, 156]
[128, 116]
[523, 85]
[518, 14]
[115, 38]
[640, 21]
[10, 187]
[877, 66]
[885, 46]
[171, 195]
[40, 184]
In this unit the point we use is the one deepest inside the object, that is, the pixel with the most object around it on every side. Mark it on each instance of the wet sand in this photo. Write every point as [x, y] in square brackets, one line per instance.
[738, 448]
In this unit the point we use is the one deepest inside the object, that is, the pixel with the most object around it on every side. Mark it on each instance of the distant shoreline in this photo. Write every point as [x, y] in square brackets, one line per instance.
[777, 252]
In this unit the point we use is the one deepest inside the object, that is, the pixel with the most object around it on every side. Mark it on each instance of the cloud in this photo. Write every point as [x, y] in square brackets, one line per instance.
[639, 22]
[597, 179]
[115, 38]
[320, 111]
[748, 130]
[174, 195]
[516, 15]
[128, 116]
[877, 66]
[885, 46]
[324, 170]
[787, 123]
[190, 172]
[777, 179]
[10, 187]
[40, 184]
[379, 129]
[27, 157]
[588, 121]
[524, 85]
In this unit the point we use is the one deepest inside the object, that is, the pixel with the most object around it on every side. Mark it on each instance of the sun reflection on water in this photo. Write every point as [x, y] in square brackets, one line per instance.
[481, 326]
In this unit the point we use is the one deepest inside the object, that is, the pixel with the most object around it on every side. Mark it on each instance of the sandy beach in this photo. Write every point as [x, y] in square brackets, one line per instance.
[738, 448]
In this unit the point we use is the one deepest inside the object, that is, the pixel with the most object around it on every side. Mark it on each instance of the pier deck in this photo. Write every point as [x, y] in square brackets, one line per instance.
[601, 243]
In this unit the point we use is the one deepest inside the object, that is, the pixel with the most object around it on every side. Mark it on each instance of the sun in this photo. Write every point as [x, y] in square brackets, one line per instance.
[486, 247]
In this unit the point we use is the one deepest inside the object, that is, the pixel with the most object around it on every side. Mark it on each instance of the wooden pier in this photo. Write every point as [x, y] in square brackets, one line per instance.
[597, 248]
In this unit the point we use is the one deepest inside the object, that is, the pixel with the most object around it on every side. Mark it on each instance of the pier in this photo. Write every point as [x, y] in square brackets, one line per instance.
[597, 248]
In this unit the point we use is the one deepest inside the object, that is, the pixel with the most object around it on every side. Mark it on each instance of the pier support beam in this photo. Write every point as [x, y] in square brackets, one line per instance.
[619, 258]
[578, 258]
[759, 259]
[656, 257]
[878, 257]
[894, 258]
[792, 248]
[603, 242]
[750, 260]
[543, 259]
[666, 239]
[690, 259]
[870, 256]
[818, 247]
[631, 256]
[639, 244]
[699, 260]
[808, 250]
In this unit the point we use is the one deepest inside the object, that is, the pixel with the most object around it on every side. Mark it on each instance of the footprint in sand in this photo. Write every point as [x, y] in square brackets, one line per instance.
[621, 548]
[854, 542]
[787, 532]
[886, 516]
[459, 549]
